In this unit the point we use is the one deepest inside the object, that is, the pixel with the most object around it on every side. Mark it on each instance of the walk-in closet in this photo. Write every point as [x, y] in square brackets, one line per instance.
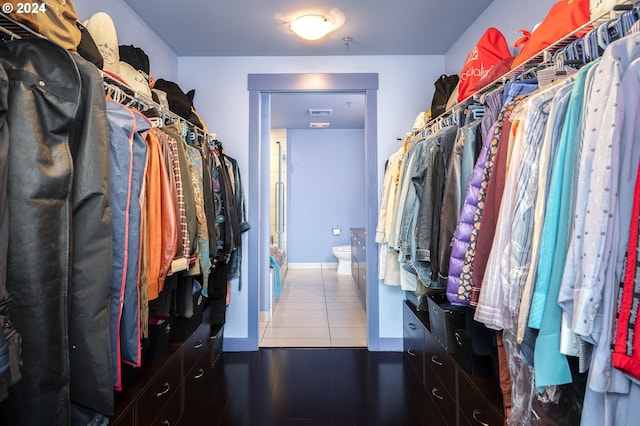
[424, 213]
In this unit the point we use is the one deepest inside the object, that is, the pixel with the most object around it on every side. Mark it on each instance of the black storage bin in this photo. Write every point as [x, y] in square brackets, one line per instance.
[159, 333]
[483, 339]
[444, 318]
[476, 365]
[183, 327]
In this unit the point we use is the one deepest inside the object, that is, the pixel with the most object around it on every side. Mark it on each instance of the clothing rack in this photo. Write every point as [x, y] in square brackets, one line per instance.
[125, 95]
[12, 30]
[556, 55]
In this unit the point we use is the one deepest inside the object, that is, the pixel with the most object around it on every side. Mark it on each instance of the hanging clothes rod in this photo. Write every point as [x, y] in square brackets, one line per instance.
[125, 95]
[545, 57]
[14, 30]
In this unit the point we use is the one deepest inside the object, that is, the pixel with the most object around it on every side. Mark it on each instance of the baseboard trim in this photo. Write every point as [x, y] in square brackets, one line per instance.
[313, 265]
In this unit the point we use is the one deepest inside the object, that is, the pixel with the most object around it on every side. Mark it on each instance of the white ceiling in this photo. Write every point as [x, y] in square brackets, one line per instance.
[290, 110]
[259, 28]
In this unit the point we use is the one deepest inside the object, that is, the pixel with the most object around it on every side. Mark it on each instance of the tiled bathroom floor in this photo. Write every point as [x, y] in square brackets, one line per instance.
[316, 308]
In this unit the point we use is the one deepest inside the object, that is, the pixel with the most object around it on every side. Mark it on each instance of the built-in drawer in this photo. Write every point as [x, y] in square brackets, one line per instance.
[171, 412]
[440, 363]
[413, 341]
[196, 377]
[163, 387]
[477, 407]
[443, 398]
[196, 345]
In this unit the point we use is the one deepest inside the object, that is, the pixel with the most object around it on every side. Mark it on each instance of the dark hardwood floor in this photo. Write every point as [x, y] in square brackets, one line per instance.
[323, 387]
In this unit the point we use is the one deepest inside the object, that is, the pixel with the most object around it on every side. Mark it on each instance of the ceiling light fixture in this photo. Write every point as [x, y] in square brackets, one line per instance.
[312, 26]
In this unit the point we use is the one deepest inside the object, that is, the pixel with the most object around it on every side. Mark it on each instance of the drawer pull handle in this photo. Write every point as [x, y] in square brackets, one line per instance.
[435, 360]
[199, 374]
[476, 414]
[412, 326]
[458, 339]
[198, 344]
[410, 352]
[435, 391]
[167, 388]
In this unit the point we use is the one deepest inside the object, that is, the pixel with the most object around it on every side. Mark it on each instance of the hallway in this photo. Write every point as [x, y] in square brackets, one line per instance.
[316, 308]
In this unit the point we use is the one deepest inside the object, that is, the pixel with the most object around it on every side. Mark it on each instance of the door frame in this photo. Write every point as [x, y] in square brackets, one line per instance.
[260, 87]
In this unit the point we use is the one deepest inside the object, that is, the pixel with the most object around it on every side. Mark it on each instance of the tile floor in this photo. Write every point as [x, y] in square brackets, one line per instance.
[316, 308]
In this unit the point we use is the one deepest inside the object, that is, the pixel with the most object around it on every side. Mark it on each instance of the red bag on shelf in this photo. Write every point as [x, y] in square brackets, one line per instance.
[490, 50]
[564, 17]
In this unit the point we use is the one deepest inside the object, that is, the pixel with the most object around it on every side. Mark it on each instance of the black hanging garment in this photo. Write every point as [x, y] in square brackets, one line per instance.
[227, 230]
[444, 87]
[59, 257]
[10, 339]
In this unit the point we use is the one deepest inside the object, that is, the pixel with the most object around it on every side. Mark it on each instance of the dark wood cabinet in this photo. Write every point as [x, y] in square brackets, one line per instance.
[359, 262]
[461, 399]
[163, 391]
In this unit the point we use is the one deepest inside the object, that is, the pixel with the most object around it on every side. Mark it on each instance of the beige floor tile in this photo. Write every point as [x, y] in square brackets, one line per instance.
[301, 313]
[302, 296]
[353, 305]
[306, 322]
[347, 313]
[342, 298]
[296, 332]
[316, 308]
[347, 332]
[356, 321]
[300, 306]
[340, 286]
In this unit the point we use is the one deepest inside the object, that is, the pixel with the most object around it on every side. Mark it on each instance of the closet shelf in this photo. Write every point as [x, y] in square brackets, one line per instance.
[141, 102]
[543, 57]
[15, 30]
[11, 30]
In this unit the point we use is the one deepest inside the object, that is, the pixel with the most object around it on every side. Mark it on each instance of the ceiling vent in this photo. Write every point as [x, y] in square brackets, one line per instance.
[319, 125]
[319, 112]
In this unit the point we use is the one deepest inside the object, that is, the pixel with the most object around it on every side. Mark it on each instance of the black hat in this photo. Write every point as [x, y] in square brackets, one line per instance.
[135, 57]
[88, 48]
[179, 102]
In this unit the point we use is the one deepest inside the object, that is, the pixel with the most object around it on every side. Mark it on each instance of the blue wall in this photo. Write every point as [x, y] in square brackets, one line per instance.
[131, 29]
[325, 188]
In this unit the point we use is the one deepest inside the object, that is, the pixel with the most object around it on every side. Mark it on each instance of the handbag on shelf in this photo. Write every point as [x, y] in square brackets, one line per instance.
[444, 87]
[490, 50]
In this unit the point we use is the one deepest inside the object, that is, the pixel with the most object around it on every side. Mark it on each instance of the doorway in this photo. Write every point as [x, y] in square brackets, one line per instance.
[317, 197]
[261, 87]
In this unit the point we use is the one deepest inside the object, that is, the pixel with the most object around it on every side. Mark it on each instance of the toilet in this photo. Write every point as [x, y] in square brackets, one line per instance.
[343, 253]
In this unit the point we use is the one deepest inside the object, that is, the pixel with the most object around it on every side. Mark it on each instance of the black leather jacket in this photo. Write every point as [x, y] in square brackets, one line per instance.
[10, 339]
[59, 257]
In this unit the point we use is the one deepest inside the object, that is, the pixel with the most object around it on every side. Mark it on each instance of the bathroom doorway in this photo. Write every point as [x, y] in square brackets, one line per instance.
[317, 196]
[261, 88]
